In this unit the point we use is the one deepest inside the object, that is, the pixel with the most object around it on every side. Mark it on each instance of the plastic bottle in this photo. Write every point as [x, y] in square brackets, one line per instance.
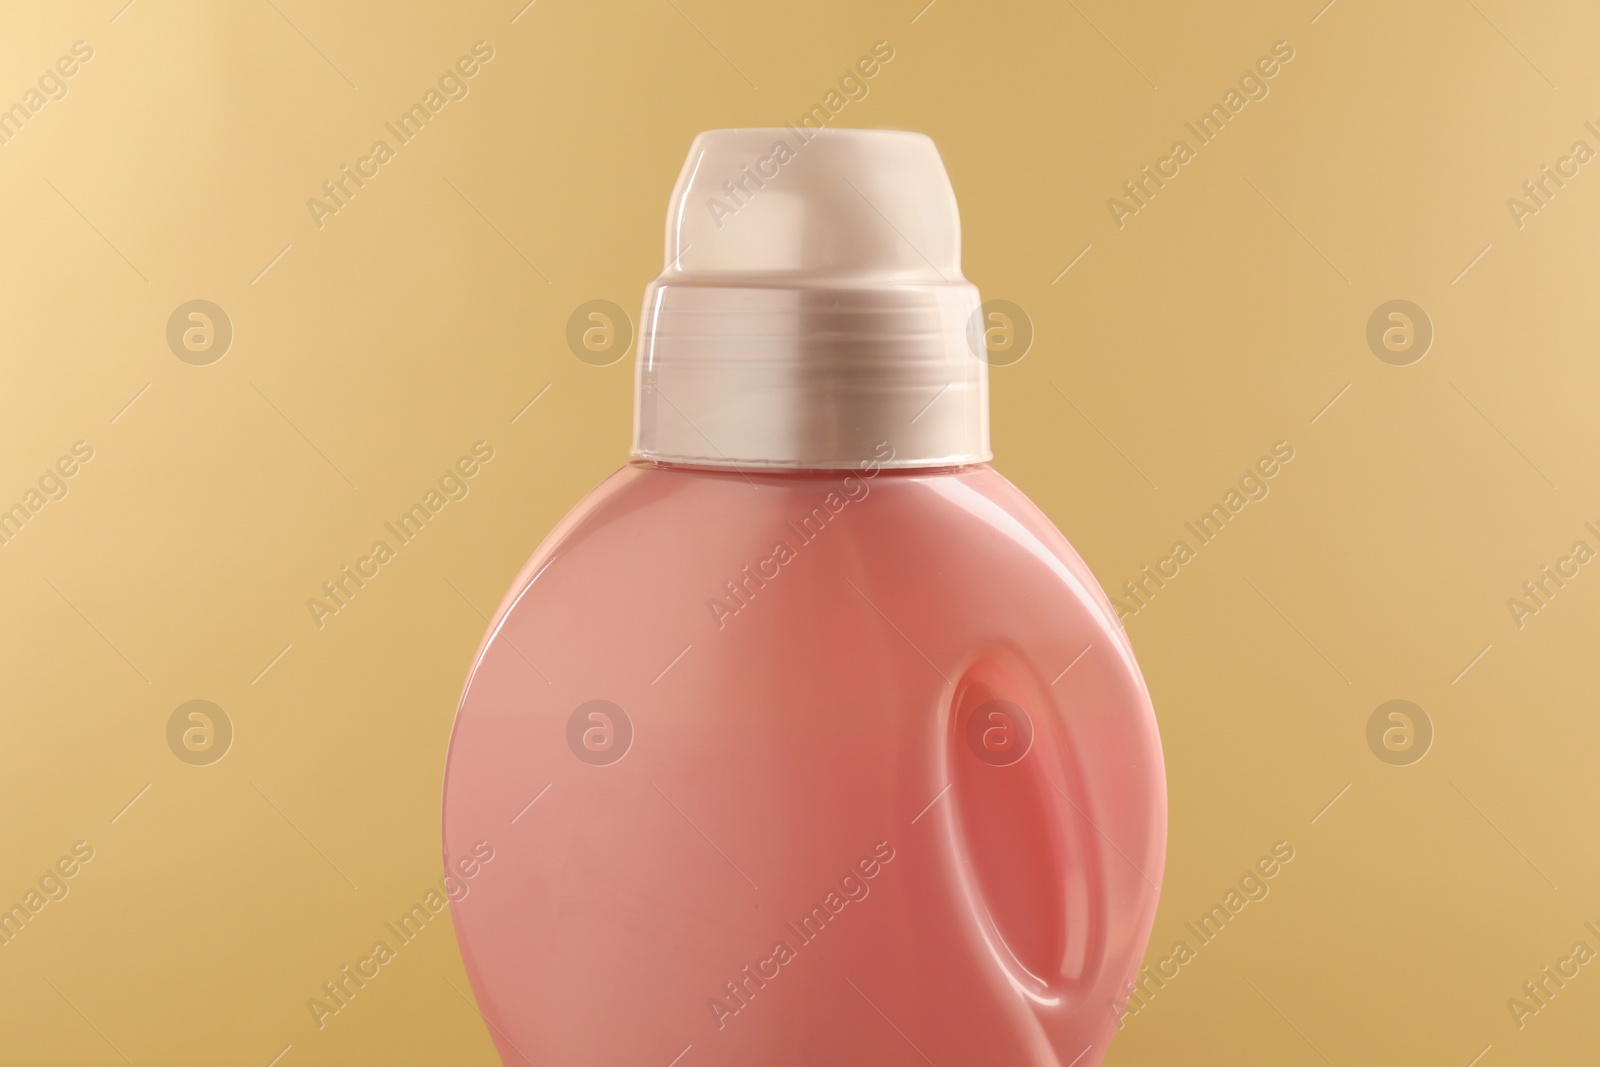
[806, 740]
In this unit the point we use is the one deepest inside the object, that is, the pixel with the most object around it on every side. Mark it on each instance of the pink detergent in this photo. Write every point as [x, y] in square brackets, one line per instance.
[806, 740]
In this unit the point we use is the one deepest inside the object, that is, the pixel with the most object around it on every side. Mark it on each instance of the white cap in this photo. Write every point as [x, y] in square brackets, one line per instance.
[811, 308]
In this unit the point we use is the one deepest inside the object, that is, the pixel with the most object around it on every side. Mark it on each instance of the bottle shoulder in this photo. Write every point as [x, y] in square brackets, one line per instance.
[963, 540]
[678, 498]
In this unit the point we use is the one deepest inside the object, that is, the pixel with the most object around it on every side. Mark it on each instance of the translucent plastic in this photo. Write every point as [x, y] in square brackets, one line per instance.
[828, 769]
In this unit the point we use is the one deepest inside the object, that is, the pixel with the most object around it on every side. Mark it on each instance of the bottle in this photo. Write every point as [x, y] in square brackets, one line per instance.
[806, 740]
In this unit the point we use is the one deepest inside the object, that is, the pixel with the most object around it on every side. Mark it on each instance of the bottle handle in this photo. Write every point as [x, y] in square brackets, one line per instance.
[1046, 874]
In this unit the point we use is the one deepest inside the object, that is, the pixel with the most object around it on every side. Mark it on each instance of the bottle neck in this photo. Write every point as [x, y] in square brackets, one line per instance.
[804, 472]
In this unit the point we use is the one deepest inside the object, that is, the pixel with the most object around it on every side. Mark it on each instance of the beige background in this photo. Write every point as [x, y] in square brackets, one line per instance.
[370, 353]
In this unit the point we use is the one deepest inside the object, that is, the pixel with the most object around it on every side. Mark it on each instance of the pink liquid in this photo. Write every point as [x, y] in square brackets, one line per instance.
[806, 854]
